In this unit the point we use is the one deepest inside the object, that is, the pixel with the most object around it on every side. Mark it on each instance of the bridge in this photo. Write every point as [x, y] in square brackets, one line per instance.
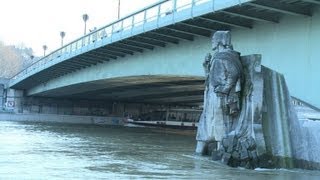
[155, 55]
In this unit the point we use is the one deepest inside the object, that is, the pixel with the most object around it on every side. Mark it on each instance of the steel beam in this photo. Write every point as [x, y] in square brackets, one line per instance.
[196, 26]
[152, 39]
[226, 22]
[64, 68]
[281, 7]
[90, 59]
[106, 56]
[75, 64]
[138, 44]
[181, 31]
[173, 34]
[71, 66]
[192, 29]
[78, 61]
[122, 50]
[148, 41]
[256, 16]
[126, 46]
[162, 38]
[211, 27]
[312, 1]
[105, 50]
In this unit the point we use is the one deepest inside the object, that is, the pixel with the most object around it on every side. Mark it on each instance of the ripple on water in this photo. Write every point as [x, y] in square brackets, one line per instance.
[59, 151]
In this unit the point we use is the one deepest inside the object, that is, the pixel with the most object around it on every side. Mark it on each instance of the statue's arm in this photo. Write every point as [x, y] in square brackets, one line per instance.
[207, 63]
[230, 77]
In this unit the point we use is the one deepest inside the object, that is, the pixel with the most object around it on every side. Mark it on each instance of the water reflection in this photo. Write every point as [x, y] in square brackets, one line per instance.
[62, 151]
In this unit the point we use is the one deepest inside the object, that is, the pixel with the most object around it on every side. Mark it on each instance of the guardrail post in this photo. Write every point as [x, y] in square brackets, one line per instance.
[145, 16]
[174, 6]
[192, 4]
[213, 5]
[158, 15]
[132, 24]
[144, 19]
[174, 9]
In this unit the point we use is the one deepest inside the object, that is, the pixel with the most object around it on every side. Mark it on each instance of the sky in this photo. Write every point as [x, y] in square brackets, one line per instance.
[34, 23]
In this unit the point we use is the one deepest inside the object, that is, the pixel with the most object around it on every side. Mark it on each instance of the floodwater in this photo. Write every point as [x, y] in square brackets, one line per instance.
[62, 151]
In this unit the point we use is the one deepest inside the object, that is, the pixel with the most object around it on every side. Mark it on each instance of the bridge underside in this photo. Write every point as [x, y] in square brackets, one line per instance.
[143, 89]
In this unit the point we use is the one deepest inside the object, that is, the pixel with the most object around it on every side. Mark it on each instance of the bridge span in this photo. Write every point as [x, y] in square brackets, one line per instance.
[155, 55]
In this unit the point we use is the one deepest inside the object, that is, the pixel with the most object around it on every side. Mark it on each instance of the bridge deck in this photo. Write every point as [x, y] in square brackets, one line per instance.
[156, 26]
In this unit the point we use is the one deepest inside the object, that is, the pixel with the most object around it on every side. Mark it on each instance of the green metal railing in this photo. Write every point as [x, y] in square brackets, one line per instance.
[150, 13]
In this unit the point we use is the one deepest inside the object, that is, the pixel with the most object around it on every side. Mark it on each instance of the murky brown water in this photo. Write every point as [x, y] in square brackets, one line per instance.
[61, 151]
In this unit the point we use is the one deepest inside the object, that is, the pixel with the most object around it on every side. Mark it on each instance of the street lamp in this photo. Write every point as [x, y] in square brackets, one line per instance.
[85, 18]
[44, 49]
[118, 9]
[62, 35]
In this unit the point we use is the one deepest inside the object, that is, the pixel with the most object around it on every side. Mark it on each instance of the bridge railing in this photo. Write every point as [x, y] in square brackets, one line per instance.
[150, 13]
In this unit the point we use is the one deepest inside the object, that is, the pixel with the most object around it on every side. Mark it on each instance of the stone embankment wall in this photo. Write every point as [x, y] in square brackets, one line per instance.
[73, 119]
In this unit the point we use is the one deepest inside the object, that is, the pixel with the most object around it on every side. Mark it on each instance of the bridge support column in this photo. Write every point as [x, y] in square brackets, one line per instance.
[2, 96]
[13, 101]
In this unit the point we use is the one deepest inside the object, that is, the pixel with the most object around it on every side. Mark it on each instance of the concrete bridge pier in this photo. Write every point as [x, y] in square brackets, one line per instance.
[13, 100]
[1, 97]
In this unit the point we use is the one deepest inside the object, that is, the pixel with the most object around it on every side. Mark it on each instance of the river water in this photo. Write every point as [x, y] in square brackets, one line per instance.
[64, 151]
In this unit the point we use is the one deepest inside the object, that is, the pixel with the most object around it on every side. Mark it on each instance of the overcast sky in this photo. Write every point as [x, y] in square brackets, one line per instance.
[38, 22]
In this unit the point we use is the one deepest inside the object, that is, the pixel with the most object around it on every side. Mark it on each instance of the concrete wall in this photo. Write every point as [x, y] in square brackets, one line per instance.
[3, 86]
[76, 107]
[62, 119]
[2, 96]
[289, 47]
[65, 106]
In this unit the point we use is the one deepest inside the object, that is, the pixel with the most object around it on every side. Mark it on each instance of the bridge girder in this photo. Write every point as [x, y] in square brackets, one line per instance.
[172, 34]
[317, 2]
[130, 47]
[78, 61]
[161, 37]
[138, 44]
[188, 30]
[157, 40]
[107, 52]
[93, 58]
[104, 55]
[121, 50]
[252, 15]
[226, 22]
[281, 7]
[148, 41]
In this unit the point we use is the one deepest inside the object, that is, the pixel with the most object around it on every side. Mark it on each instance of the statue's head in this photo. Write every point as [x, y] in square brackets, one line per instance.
[221, 38]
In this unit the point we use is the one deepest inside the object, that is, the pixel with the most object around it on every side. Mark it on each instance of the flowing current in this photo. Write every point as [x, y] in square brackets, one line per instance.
[64, 151]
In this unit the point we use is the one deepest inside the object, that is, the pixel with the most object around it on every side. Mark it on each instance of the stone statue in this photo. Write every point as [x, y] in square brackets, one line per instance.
[248, 119]
[219, 121]
[222, 93]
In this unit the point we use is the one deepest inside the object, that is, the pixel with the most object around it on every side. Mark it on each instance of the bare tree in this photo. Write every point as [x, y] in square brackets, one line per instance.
[10, 60]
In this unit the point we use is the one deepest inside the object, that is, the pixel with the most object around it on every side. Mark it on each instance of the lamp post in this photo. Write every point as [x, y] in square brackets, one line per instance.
[62, 35]
[118, 9]
[85, 18]
[45, 47]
